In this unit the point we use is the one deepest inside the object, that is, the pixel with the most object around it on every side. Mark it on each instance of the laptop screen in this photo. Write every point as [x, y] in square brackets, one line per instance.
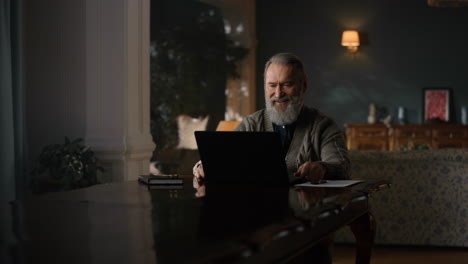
[242, 157]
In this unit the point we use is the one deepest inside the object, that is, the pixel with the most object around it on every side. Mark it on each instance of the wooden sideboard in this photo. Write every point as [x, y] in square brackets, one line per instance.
[391, 137]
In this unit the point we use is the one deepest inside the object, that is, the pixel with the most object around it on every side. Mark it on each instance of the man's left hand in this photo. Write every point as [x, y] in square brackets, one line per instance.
[311, 171]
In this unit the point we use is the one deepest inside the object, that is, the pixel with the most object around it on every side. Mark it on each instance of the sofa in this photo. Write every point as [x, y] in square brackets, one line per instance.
[427, 204]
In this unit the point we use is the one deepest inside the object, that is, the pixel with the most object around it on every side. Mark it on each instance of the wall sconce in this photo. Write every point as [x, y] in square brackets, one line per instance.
[350, 39]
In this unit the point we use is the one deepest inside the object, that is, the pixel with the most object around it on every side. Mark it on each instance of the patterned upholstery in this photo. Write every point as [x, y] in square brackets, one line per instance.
[428, 201]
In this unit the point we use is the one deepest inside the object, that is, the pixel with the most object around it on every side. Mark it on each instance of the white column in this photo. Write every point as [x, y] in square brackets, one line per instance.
[118, 86]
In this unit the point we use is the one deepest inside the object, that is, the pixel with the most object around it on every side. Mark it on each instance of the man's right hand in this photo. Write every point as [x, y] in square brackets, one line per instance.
[198, 175]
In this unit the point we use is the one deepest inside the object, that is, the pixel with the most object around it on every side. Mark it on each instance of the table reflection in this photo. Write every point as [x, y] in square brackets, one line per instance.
[131, 223]
[249, 217]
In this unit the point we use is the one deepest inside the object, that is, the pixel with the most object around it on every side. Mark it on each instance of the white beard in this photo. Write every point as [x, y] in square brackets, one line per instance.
[289, 115]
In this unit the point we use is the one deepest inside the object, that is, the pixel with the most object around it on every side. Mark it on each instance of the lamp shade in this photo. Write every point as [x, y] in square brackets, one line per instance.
[350, 38]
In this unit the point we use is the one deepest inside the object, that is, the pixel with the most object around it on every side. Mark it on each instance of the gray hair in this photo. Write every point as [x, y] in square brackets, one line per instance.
[286, 59]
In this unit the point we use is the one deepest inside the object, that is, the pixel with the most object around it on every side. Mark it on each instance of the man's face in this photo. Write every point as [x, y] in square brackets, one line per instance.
[284, 93]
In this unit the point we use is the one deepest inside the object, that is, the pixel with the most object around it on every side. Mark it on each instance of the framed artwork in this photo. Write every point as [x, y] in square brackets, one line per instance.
[437, 105]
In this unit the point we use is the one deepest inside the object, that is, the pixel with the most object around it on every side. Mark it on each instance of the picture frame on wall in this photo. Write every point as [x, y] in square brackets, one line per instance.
[437, 105]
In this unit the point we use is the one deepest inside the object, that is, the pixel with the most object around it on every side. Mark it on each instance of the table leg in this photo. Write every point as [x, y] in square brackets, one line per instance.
[363, 229]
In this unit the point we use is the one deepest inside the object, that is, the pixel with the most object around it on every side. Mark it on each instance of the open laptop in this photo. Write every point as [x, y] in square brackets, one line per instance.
[242, 157]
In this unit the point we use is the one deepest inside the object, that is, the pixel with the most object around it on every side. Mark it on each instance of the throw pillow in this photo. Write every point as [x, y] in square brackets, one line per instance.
[187, 126]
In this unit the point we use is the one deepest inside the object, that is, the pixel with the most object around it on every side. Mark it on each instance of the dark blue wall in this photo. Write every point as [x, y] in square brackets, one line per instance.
[408, 46]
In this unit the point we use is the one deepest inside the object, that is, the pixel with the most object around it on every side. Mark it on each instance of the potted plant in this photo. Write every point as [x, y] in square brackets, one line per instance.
[66, 166]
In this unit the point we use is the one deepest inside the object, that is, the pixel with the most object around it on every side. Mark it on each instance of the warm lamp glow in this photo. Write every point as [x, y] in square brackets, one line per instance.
[350, 39]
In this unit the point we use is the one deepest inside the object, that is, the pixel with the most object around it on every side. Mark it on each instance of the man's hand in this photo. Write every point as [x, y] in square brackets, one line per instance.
[311, 171]
[198, 175]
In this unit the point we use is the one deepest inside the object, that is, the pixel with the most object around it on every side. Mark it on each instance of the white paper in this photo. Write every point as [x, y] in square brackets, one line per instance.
[334, 184]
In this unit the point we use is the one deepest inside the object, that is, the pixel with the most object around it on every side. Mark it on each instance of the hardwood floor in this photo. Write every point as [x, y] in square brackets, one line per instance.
[344, 254]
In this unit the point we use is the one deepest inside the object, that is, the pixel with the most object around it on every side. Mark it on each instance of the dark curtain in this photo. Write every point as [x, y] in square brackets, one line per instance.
[12, 167]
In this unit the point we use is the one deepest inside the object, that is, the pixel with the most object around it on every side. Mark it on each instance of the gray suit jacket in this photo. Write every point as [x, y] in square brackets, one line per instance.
[316, 138]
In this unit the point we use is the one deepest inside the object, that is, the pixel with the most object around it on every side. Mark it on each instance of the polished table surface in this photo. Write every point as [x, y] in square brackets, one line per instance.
[131, 223]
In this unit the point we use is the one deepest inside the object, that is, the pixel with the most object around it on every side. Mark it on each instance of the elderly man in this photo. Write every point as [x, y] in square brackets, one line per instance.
[313, 145]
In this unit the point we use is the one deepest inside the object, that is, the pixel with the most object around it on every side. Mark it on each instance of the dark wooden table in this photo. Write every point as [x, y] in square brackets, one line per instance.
[130, 223]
